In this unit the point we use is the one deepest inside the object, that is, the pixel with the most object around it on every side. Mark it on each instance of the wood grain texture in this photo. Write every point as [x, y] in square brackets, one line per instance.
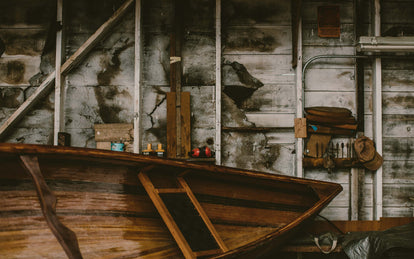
[171, 125]
[101, 199]
[66, 237]
[185, 113]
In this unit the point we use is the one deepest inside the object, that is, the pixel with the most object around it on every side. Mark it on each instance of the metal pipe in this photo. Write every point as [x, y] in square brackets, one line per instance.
[307, 63]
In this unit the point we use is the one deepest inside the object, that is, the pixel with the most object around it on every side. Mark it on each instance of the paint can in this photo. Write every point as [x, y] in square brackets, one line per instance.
[117, 146]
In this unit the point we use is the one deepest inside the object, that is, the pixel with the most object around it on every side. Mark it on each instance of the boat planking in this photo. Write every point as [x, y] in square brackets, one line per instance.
[58, 202]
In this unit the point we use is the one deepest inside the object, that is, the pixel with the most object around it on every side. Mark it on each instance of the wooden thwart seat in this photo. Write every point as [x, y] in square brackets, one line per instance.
[185, 218]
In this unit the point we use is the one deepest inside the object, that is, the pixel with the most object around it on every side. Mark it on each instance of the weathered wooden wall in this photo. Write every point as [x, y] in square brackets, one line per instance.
[258, 81]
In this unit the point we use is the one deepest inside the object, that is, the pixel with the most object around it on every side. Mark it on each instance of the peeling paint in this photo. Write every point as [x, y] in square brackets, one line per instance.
[249, 84]
[13, 72]
[232, 115]
[251, 40]
[11, 97]
[252, 11]
[250, 151]
[108, 113]
[23, 42]
[406, 101]
[111, 63]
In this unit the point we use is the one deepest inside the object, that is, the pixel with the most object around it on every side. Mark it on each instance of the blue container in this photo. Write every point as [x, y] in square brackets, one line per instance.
[117, 146]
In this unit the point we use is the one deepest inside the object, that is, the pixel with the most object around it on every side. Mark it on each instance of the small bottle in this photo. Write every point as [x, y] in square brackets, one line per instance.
[148, 151]
[160, 151]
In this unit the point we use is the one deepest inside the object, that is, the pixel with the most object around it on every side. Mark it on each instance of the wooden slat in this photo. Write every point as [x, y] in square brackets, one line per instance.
[185, 124]
[114, 132]
[166, 216]
[137, 79]
[170, 190]
[59, 118]
[202, 213]
[171, 125]
[73, 61]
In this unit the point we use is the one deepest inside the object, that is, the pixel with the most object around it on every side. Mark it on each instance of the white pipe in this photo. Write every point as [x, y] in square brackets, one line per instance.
[218, 83]
[59, 118]
[377, 113]
[137, 79]
[300, 99]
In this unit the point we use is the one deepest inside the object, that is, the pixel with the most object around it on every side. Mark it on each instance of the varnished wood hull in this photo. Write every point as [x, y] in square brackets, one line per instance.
[102, 200]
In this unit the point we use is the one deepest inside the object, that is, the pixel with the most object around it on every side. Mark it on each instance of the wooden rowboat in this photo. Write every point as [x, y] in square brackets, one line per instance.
[58, 202]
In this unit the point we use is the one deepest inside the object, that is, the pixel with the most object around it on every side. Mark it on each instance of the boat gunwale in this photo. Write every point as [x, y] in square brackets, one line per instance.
[138, 159]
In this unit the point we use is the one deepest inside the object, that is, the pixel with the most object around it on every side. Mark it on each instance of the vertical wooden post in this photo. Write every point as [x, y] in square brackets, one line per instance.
[217, 98]
[185, 114]
[59, 118]
[179, 131]
[300, 95]
[137, 79]
[377, 111]
[171, 125]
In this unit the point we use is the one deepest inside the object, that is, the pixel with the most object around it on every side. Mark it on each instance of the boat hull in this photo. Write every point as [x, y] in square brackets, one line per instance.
[103, 200]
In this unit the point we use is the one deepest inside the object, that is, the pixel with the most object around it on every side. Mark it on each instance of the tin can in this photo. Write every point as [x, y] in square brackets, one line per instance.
[117, 146]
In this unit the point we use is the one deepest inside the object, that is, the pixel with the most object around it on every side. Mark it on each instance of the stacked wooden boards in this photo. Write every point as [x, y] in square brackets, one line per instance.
[122, 205]
[330, 120]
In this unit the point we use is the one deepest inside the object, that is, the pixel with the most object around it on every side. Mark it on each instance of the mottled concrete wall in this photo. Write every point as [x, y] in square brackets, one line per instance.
[24, 29]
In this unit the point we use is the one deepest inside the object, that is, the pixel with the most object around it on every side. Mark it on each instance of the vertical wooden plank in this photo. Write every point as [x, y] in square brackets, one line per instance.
[185, 124]
[299, 98]
[296, 13]
[137, 79]
[354, 194]
[377, 110]
[59, 118]
[217, 98]
[171, 125]
[176, 68]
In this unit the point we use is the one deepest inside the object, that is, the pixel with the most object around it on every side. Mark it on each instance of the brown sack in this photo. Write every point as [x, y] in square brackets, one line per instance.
[366, 153]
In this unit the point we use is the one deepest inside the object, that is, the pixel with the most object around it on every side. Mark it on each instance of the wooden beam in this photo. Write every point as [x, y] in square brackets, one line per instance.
[137, 79]
[171, 125]
[72, 62]
[355, 174]
[217, 98]
[185, 124]
[377, 111]
[296, 6]
[300, 101]
[59, 118]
